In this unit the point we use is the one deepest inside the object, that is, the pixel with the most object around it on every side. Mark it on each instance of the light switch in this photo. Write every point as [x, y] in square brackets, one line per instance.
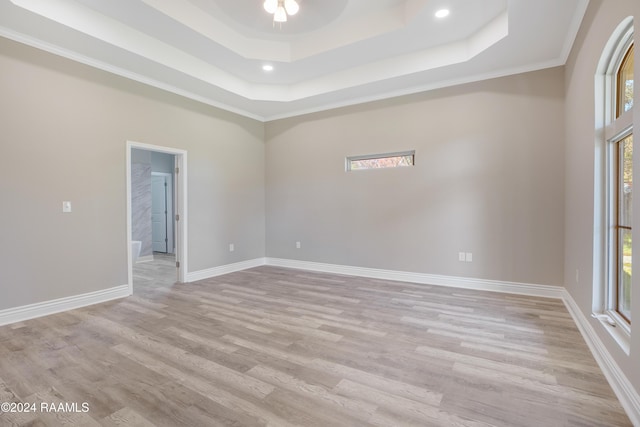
[66, 207]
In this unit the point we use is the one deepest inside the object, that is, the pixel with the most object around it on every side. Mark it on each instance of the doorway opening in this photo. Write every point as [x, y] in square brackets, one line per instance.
[156, 214]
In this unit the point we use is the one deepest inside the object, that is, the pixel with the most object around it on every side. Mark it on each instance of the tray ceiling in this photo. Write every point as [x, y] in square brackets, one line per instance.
[332, 53]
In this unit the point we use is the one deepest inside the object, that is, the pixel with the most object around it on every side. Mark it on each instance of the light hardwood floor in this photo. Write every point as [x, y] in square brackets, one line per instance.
[279, 347]
[159, 272]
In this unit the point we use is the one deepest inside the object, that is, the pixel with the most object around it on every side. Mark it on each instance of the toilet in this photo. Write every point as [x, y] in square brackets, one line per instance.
[136, 245]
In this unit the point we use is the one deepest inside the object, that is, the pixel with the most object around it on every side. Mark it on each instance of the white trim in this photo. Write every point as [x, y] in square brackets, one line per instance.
[621, 332]
[547, 291]
[264, 116]
[224, 269]
[101, 65]
[558, 62]
[423, 278]
[146, 258]
[618, 381]
[40, 309]
[181, 207]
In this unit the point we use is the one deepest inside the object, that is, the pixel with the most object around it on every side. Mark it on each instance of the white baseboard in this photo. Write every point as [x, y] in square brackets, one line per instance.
[423, 278]
[618, 381]
[223, 269]
[402, 276]
[31, 311]
[146, 258]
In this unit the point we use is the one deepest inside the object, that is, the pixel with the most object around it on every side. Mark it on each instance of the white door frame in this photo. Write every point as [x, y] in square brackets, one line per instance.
[170, 215]
[180, 186]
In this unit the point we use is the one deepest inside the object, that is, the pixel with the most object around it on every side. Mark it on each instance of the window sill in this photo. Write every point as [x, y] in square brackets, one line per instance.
[619, 332]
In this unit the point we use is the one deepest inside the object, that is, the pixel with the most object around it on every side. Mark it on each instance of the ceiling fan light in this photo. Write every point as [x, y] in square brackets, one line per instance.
[280, 15]
[291, 6]
[270, 5]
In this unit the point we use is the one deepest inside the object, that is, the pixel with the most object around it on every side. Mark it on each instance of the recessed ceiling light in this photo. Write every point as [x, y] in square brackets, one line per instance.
[267, 67]
[442, 13]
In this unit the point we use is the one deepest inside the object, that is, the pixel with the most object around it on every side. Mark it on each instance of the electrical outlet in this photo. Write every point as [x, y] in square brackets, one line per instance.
[461, 256]
[468, 257]
[298, 245]
[232, 247]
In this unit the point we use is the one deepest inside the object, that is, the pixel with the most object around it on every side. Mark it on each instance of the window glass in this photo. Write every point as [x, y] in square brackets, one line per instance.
[625, 83]
[625, 199]
[625, 147]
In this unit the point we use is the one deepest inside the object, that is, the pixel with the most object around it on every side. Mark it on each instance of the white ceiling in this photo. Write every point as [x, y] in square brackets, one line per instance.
[332, 53]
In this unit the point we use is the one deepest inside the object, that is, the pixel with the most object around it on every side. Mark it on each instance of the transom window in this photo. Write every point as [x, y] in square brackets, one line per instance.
[380, 161]
[624, 83]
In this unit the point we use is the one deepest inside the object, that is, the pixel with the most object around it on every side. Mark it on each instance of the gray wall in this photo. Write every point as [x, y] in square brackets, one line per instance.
[64, 128]
[488, 180]
[603, 16]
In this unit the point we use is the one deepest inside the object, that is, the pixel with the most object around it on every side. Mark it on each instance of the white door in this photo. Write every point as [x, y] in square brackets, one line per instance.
[162, 212]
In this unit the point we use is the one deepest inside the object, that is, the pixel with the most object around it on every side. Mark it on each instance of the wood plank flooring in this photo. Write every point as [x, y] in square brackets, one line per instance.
[279, 347]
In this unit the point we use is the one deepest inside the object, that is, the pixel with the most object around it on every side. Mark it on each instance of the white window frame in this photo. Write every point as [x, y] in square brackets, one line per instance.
[610, 130]
[611, 287]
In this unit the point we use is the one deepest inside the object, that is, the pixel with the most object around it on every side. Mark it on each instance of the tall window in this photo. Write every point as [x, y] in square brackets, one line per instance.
[615, 304]
[622, 225]
[622, 181]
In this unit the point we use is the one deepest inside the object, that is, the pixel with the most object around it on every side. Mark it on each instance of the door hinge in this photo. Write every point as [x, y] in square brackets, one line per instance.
[177, 170]
[177, 264]
[177, 217]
